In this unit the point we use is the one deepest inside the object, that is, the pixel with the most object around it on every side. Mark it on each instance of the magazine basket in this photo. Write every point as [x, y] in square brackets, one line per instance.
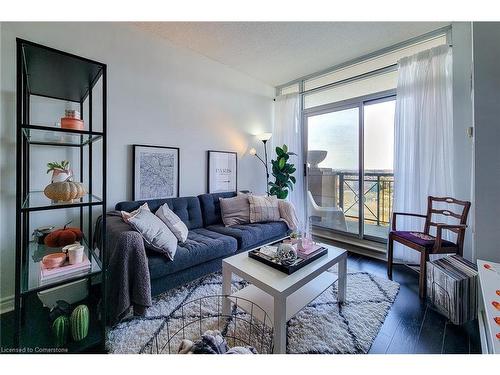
[247, 324]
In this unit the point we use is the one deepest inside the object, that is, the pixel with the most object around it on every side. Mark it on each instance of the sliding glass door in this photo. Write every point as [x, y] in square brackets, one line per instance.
[347, 143]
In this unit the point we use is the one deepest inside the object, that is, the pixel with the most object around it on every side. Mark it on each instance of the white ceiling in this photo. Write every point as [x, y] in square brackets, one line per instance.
[278, 52]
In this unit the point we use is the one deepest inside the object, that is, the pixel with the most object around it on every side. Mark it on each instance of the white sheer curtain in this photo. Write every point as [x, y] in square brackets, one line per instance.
[286, 130]
[423, 141]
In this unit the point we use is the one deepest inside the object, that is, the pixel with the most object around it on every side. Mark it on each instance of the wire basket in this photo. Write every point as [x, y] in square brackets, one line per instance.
[247, 324]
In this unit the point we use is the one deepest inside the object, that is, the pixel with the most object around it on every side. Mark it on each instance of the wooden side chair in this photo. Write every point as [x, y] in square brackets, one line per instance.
[424, 242]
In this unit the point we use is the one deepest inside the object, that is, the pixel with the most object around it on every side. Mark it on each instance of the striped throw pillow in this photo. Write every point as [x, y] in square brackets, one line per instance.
[263, 208]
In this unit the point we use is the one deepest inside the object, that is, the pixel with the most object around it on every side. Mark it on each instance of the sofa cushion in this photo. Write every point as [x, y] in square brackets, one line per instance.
[127, 215]
[173, 222]
[210, 207]
[154, 232]
[251, 235]
[288, 214]
[187, 208]
[263, 208]
[201, 246]
[235, 210]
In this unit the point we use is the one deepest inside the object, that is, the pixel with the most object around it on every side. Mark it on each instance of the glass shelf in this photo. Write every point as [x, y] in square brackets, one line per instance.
[52, 136]
[36, 252]
[37, 201]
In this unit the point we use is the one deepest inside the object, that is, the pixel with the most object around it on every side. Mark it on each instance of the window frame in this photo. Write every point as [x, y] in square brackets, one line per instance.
[357, 102]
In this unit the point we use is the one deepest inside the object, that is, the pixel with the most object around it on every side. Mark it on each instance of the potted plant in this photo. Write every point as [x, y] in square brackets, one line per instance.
[282, 172]
[60, 171]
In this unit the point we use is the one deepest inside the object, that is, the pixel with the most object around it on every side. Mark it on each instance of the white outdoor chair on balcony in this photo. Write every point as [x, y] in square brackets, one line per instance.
[332, 216]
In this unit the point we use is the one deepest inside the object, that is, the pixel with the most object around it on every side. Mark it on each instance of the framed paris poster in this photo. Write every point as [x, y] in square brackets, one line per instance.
[156, 172]
[222, 171]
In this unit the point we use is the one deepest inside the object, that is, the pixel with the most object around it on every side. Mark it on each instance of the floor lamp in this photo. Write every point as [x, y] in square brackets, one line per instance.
[264, 137]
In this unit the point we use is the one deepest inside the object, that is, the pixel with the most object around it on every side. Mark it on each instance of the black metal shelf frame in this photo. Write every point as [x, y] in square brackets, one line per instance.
[46, 72]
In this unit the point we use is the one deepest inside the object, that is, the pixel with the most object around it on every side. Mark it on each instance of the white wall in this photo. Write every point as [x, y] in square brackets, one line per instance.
[157, 94]
[462, 119]
[486, 47]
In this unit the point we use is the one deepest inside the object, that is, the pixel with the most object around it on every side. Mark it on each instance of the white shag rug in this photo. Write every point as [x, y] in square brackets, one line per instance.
[321, 327]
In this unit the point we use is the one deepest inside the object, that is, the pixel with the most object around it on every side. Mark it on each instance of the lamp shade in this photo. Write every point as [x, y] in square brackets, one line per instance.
[252, 151]
[264, 136]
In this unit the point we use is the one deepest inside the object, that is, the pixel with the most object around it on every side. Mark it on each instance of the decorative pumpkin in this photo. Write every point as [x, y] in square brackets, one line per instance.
[60, 329]
[65, 191]
[63, 237]
[79, 322]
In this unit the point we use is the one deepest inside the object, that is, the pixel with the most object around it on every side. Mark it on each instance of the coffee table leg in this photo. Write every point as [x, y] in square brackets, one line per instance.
[279, 326]
[342, 279]
[226, 290]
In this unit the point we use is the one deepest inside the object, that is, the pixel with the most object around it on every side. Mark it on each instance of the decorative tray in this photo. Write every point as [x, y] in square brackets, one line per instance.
[302, 260]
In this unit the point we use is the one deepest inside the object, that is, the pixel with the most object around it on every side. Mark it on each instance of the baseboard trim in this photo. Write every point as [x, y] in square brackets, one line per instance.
[6, 304]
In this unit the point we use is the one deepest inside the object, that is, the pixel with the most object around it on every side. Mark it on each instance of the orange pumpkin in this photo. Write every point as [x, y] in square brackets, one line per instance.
[63, 237]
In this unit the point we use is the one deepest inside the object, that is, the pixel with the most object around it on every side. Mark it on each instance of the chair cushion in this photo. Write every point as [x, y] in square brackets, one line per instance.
[422, 239]
[202, 245]
[187, 208]
[210, 207]
[250, 235]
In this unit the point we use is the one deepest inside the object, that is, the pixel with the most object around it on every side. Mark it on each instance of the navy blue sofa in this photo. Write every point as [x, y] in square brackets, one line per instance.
[209, 241]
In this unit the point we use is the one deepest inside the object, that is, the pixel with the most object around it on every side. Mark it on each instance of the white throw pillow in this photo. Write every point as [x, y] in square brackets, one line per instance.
[263, 208]
[127, 215]
[173, 222]
[287, 214]
[155, 232]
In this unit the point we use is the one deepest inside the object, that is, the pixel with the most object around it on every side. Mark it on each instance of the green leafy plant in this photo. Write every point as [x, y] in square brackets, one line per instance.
[53, 165]
[282, 172]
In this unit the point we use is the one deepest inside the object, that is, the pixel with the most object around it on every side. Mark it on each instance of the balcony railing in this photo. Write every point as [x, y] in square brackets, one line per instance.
[377, 196]
[331, 187]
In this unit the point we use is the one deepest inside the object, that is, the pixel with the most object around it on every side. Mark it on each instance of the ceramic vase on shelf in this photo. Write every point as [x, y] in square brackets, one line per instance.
[72, 120]
[60, 171]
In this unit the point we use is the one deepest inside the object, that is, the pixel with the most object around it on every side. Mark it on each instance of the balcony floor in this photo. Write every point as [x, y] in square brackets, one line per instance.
[373, 230]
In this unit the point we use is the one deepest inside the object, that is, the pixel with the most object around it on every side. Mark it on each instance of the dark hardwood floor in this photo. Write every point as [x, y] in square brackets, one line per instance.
[410, 326]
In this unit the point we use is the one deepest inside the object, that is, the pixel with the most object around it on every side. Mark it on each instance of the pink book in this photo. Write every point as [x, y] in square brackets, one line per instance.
[46, 273]
[311, 250]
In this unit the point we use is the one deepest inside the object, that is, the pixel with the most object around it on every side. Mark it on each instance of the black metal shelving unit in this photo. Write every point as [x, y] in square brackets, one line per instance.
[57, 75]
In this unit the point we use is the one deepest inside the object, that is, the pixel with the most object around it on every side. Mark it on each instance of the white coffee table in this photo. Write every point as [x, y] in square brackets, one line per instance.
[282, 296]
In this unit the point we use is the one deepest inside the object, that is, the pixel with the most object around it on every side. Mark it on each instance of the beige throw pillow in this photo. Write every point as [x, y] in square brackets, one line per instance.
[263, 208]
[127, 215]
[173, 222]
[235, 210]
[288, 215]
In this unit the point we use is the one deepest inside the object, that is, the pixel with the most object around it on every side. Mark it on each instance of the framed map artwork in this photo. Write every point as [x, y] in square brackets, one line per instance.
[156, 172]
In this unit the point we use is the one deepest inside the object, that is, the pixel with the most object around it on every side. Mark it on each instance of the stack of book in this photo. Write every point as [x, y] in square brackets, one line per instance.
[52, 275]
[452, 288]
[310, 252]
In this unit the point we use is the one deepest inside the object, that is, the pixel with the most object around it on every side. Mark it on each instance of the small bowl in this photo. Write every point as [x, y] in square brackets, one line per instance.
[54, 260]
